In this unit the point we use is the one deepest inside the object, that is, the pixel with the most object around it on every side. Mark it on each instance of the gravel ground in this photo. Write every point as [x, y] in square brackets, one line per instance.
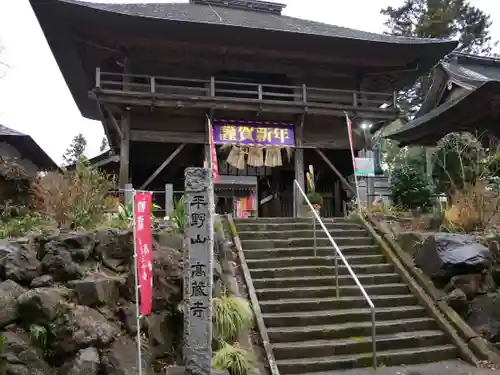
[438, 368]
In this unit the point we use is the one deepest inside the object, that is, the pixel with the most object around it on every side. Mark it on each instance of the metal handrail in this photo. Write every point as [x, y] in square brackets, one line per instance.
[339, 253]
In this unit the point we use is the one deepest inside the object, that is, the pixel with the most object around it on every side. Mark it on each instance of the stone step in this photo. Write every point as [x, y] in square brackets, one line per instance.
[262, 273]
[280, 220]
[290, 282]
[305, 242]
[345, 330]
[330, 291]
[286, 234]
[259, 226]
[314, 261]
[354, 345]
[326, 317]
[350, 361]
[289, 252]
[332, 303]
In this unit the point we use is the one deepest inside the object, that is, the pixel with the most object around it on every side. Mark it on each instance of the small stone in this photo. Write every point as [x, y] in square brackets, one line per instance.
[9, 293]
[42, 281]
[96, 290]
[18, 262]
[58, 263]
[87, 362]
[21, 358]
[80, 327]
[41, 305]
[78, 245]
[121, 358]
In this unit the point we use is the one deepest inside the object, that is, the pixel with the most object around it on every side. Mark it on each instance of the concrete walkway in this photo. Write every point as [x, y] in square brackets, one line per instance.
[438, 368]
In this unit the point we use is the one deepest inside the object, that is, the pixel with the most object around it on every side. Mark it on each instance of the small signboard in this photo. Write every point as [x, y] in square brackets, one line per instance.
[365, 167]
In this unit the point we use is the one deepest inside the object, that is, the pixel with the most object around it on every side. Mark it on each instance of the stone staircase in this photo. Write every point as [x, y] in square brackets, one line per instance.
[311, 330]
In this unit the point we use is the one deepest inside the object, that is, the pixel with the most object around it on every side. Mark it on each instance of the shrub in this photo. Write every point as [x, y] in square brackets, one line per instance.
[19, 226]
[178, 218]
[315, 198]
[74, 199]
[410, 188]
[234, 359]
[231, 316]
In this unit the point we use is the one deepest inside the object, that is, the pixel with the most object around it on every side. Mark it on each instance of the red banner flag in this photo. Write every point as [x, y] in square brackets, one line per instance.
[213, 154]
[351, 142]
[144, 249]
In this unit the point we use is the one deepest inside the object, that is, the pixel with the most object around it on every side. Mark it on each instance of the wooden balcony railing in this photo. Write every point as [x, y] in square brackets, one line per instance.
[210, 90]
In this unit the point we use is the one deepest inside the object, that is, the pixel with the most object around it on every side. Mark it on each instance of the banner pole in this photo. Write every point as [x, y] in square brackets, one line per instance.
[137, 305]
[351, 144]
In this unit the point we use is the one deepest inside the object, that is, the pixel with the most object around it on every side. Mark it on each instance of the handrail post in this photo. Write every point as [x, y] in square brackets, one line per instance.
[336, 263]
[314, 235]
[374, 341]
[98, 77]
[152, 81]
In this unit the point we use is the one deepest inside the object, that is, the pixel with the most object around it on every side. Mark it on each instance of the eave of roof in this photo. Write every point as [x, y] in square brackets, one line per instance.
[429, 128]
[422, 54]
[28, 148]
[195, 13]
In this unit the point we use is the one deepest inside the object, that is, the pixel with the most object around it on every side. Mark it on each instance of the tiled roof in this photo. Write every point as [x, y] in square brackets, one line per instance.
[197, 13]
[8, 131]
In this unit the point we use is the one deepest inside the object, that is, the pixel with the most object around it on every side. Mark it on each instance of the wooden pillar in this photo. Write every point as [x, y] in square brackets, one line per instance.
[337, 196]
[299, 168]
[169, 199]
[125, 150]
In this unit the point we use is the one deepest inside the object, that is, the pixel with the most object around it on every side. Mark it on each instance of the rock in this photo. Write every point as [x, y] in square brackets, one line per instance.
[410, 243]
[41, 305]
[483, 316]
[172, 240]
[79, 245]
[82, 327]
[97, 289]
[472, 284]
[457, 299]
[121, 358]
[115, 246]
[167, 289]
[446, 254]
[86, 362]
[18, 262]
[58, 263]
[9, 293]
[42, 281]
[21, 358]
[127, 315]
[494, 249]
[162, 328]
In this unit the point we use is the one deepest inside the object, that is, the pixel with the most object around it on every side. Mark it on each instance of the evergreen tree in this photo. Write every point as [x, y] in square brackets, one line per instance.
[104, 144]
[76, 149]
[438, 19]
[443, 19]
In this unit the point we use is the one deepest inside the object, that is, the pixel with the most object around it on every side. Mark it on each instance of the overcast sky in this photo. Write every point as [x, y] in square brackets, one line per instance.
[34, 98]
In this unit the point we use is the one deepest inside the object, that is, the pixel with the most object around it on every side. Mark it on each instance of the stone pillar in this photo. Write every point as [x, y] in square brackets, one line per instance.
[198, 270]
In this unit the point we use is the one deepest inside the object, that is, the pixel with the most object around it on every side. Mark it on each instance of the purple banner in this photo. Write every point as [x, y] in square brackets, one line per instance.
[254, 133]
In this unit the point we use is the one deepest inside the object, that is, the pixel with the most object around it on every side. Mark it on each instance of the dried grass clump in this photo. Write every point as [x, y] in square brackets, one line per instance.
[76, 199]
[473, 208]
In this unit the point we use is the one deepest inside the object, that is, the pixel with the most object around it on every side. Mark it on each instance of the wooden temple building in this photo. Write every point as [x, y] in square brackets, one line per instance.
[464, 96]
[154, 73]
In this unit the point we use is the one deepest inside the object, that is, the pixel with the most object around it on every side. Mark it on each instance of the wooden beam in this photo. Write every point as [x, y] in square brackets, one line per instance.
[163, 165]
[113, 121]
[347, 185]
[299, 165]
[125, 150]
[165, 136]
